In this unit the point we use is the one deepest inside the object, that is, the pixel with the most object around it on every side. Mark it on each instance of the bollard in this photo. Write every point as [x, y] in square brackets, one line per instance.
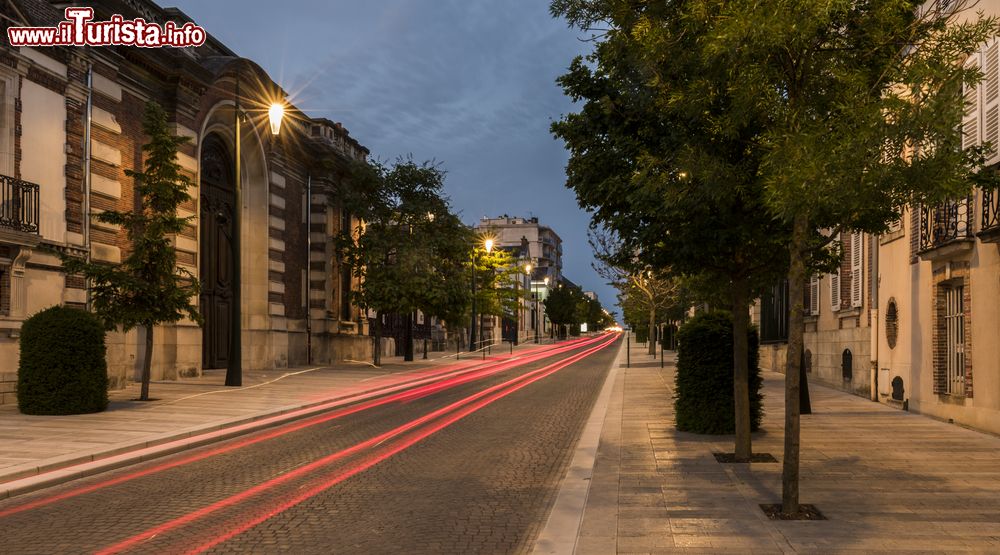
[661, 352]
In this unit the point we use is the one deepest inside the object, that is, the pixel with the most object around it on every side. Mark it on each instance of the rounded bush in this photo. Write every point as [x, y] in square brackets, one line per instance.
[704, 380]
[63, 368]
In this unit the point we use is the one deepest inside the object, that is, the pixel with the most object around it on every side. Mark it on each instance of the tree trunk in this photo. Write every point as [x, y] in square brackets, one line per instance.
[651, 337]
[796, 285]
[147, 363]
[377, 351]
[741, 369]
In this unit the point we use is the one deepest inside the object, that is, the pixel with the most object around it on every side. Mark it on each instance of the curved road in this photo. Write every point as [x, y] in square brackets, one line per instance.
[466, 459]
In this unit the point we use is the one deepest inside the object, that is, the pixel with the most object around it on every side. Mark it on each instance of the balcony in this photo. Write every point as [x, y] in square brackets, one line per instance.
[19, 204]
[990, 232]
[946, 229]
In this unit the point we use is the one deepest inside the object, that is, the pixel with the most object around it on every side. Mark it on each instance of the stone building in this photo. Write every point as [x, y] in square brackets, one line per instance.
[70, 127]
[539, 245]
[938, 343]
[838, 321]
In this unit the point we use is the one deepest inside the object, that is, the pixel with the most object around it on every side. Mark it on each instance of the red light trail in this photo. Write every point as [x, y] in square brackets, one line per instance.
[425, 384]
[448, 415]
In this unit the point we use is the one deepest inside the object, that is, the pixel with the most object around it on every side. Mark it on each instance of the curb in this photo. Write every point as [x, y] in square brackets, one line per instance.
[59, 470]
[562, 527]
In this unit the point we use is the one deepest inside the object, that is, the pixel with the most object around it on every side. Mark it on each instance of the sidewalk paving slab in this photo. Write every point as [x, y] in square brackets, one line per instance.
[887, 480]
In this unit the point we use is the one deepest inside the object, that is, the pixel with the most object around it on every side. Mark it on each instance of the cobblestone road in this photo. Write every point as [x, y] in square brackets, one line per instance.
[476, 476]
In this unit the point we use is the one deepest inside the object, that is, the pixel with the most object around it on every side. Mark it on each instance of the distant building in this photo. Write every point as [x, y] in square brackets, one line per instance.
[538, 245]
[544, 244]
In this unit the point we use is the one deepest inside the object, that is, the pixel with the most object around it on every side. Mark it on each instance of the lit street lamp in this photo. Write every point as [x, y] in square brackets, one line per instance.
[488, 245]
[234, 372]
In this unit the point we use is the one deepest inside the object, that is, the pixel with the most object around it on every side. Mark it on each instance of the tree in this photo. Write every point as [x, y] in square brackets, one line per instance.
[497, 273]
[848, 110]
[864, 106]
[657, 161]
[562, 305]
[147, 288]
[409, 250]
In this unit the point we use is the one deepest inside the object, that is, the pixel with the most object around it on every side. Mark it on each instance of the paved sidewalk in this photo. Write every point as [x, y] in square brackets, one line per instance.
[887, 480]
[204, 407]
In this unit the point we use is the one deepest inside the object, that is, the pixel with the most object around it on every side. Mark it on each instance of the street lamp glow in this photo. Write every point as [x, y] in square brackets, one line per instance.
[274, 115]
[489, 245]
[546, 281]
[527, 268]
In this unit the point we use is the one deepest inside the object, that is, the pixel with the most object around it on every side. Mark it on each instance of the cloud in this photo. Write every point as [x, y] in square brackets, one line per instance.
[470, 83]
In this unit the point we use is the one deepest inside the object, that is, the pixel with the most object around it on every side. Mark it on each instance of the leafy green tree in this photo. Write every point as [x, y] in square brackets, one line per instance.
[846, 112]
[561, 306]
[861, 104]
[410, 250]
[147, 288]
[658, 162]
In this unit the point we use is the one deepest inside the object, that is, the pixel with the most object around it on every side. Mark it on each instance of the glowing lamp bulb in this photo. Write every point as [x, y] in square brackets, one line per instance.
[275, 114]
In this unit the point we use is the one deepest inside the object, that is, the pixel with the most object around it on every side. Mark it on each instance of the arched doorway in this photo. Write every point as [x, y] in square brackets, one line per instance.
[217, 264]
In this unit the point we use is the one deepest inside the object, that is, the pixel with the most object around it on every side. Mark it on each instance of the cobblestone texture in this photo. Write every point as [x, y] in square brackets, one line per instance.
[482, 485]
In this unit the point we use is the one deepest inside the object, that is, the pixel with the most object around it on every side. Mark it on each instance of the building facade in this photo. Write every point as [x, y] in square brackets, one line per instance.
[70, 128]
[539, 246]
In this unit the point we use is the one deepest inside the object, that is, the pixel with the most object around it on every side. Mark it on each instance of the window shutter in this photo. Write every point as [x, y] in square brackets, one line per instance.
[814, 295]
[970, 120]
[857, 253]
[835, 286]
[991, 99]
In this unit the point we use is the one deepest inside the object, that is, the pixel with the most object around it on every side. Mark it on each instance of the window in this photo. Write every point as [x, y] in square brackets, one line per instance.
[835, 286]
[955, 337]
[814, 295]
[345, 292]
[857, 275]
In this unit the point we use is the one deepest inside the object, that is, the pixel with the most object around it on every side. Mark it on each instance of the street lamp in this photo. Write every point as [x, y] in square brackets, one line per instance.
[488, 245]
[234, 372]
[274, 115]
[527, 271]
[546, 280]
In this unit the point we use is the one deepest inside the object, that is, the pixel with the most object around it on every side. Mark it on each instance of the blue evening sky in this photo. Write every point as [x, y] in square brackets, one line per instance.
[470, 83]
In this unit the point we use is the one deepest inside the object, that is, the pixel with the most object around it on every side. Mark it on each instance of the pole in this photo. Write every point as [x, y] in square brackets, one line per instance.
[535, 287]
[234, 373]
[309, 335]
[661, 345]
[472, 331]
[628, 350]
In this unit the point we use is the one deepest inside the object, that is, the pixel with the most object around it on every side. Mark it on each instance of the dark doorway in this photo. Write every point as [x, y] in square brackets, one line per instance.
[217, 196]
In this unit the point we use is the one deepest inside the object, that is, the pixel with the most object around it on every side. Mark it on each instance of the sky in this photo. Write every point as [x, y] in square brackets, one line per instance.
[468, 83]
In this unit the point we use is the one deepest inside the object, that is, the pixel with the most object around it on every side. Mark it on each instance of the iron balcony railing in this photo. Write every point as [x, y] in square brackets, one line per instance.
[991, 210]
[19, 205]
[945, 222]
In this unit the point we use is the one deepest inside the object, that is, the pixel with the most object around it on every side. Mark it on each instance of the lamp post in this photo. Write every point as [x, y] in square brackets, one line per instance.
[546, 280]
[527, 271]
[234, 373]
[488, 245]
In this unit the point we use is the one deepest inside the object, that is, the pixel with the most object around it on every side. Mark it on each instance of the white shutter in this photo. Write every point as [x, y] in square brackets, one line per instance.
[991, 99]
[857, 254]
[970, 120]
[835, 286]
[814, 295]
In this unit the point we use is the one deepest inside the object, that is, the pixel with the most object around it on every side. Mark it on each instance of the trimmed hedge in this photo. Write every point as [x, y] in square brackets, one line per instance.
[63, 368]
[704, 380]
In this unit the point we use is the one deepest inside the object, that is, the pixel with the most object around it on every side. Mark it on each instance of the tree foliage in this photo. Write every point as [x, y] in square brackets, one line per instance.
[410, 250]
[818, 115]
[147, 288]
